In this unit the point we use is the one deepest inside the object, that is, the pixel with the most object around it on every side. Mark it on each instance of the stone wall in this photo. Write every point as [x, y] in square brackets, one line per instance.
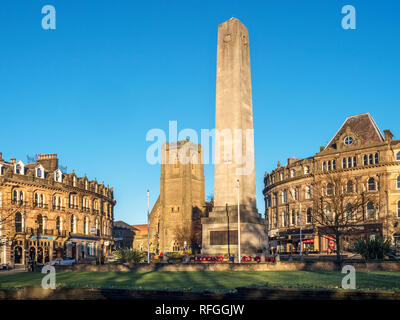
[278, 266]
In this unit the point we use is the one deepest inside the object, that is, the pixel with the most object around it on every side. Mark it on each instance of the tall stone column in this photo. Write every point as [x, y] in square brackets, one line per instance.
[234, 146]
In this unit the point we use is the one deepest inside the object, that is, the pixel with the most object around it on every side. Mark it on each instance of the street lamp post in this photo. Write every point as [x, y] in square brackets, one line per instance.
[148, 226]
[227, 218]
[301, 242]
[238, 207]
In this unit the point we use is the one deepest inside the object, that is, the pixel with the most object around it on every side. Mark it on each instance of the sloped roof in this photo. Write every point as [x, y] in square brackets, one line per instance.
[122, 224]
[140, 227]
[363, 125]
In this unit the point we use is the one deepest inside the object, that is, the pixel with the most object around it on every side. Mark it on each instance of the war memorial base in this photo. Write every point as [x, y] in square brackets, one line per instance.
[215, 232]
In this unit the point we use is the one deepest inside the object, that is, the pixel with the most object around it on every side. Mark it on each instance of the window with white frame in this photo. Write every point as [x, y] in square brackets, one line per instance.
[293, 173]
[58, 175]
[308, 216]
[306, 169]
[370, 210]
[308, 193]
[398, 209]
[19, 168]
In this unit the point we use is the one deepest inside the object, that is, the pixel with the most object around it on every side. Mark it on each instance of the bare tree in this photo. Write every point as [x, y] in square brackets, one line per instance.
[339, 203]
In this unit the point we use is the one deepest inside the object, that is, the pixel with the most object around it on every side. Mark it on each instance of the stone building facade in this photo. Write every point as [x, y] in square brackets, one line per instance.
[182, 197]
[46, 213]
[362, 153]
[123, 235]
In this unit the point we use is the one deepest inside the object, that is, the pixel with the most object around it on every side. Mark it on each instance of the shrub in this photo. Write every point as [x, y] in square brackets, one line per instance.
[130, 255]
[173, 255]
[376, 249]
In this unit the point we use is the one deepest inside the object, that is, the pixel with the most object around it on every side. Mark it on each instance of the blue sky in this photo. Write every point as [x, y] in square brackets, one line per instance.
[112, 70]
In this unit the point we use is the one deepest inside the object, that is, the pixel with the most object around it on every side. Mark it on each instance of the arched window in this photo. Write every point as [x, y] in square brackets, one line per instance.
[344, 163]
[39, 173]
[18, 169]
[36, 200]
[328, 212]
[398, 156]
[15, 195]
[370, 210]
[324, 166]
[376, 158]
[365, 160]
[398, 182]
[371, 160]
[39, 221]
[398, 209]
[58, 225]
[371, 184]
[73, 224]
[308, 193]
[41, 200]
[18, 222]
[334, 164]
[86, 225]
[350, 188]
[349, 162]
[21, 197]
[329, 165]
[329, 189]
[354, 161]
[308, 216]
[349, 211]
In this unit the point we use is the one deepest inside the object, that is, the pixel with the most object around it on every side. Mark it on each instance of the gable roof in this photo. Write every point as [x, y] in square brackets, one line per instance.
[363, 125]
[142, 228]
[122, 224]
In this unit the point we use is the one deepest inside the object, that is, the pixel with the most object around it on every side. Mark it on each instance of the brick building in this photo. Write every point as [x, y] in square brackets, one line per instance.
[46, 213]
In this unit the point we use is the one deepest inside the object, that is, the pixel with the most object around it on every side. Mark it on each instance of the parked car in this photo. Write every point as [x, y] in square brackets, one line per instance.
[64, 261]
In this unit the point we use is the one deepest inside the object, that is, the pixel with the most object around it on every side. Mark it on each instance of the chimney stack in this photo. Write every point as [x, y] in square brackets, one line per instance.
[321, 149]
[12, 161]
[388, 135]
[48, 161]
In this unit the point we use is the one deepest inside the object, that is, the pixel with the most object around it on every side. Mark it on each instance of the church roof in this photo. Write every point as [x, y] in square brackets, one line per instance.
[363, 125]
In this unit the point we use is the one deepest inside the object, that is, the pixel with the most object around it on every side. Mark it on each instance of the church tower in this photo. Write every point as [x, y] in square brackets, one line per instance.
[182, 195]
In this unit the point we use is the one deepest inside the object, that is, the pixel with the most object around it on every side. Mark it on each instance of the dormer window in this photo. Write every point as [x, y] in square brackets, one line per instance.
[39, 172]
[306, 170]
[58, 175]
[348, 140]
[19, 168]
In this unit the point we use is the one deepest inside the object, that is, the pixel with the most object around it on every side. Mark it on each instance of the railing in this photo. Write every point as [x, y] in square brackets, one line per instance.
[40, 205]
[40, 231]
[18, 202]
[57, 207]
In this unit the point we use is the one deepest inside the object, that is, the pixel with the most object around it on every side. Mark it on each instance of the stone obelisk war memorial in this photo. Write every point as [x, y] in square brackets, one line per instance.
[234, 110]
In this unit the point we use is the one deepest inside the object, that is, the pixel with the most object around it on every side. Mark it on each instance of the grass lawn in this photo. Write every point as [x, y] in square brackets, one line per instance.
[195, 280]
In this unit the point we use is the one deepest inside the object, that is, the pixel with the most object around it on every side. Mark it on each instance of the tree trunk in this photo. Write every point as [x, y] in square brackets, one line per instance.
[338, 250]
